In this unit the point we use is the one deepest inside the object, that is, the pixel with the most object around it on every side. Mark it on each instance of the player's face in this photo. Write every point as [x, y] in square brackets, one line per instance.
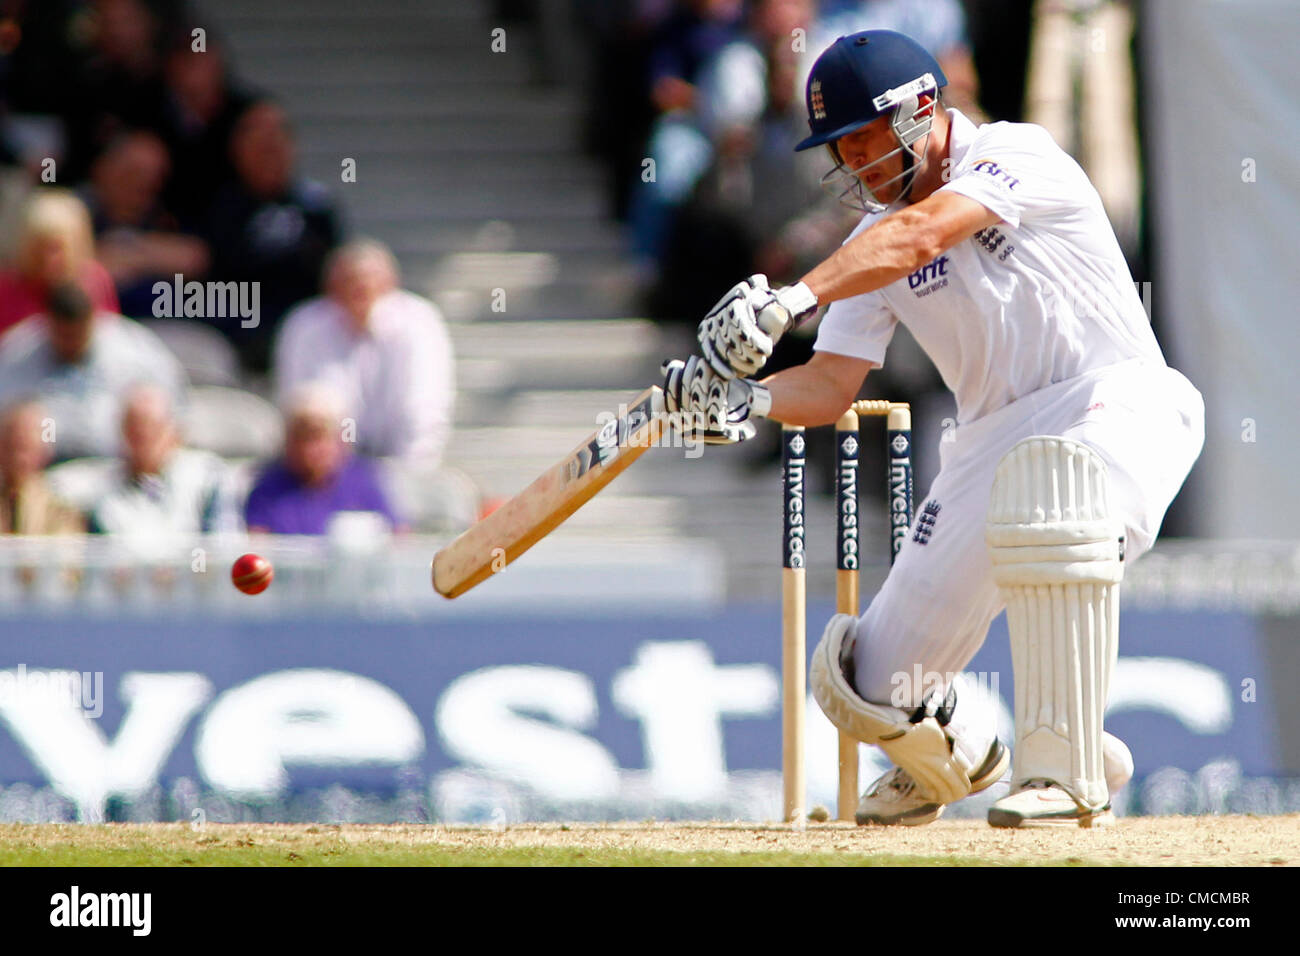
[312, 449]
[358, 284]
[147, 434]
[262, 150]
[861, 152]
[70, 338]
[50, 258]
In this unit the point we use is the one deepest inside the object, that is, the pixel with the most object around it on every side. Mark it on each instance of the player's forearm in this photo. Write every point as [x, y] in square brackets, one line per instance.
[895, 247]
[816, 393]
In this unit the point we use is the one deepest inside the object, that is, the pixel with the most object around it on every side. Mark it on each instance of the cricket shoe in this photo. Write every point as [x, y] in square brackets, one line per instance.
[1041, 803]
[893, 800]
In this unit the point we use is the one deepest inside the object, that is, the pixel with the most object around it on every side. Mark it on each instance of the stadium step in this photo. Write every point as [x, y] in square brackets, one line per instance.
[473, 174]
[415, 237]
[403, 170]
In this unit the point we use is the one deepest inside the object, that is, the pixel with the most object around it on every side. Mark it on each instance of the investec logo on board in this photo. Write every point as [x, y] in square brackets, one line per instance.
[847, 551]
[793, 481]
[900, 487]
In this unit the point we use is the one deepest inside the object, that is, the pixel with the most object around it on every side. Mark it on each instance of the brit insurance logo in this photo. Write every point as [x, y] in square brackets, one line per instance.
[929, 278]
[990, 168]
[850, 445]
[815, 96]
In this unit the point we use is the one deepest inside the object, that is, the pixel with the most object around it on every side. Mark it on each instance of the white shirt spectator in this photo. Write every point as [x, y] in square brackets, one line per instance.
[84, 398]
[191, 495]
[396, 377]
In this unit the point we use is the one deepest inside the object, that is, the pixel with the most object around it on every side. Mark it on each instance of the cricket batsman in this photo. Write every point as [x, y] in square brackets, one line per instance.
[1073, 435]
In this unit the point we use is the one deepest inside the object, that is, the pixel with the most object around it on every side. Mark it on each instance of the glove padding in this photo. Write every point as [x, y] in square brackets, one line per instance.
[707, 407]
[738, 334]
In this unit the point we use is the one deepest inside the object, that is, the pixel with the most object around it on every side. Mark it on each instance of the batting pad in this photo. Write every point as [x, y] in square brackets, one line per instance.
[921, 746]
[1058, 559]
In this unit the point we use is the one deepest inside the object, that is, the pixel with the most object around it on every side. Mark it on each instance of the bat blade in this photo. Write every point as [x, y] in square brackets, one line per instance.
[539, 509]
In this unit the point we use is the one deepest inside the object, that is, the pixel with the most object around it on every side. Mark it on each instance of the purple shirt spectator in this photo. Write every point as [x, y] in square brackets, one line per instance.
[282, 504]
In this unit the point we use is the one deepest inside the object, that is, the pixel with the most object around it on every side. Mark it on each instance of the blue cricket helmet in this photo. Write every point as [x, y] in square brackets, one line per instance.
[862, 77]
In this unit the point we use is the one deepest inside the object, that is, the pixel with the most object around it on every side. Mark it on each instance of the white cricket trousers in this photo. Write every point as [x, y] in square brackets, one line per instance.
[934, 609]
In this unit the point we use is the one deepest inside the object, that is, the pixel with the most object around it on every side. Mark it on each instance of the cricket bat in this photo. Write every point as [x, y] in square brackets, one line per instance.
[539, 509]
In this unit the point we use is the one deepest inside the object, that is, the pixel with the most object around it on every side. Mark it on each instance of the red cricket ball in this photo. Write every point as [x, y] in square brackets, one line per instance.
[252, 573]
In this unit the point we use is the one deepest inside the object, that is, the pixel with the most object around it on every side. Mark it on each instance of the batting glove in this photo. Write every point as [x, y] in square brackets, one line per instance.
[707, 407]
[738, 334]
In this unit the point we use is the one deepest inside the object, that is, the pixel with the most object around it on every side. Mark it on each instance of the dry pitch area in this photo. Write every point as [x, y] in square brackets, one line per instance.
[1143, 841]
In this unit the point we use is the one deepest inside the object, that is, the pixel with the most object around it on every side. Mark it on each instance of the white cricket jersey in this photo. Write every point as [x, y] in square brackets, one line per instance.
[1041, 297]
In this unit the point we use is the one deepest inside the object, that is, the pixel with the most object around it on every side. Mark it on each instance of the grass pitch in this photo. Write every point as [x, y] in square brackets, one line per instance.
[1145, 841]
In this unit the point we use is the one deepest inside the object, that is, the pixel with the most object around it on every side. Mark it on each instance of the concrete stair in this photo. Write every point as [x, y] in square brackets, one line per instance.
[445, 133]
[472, 172]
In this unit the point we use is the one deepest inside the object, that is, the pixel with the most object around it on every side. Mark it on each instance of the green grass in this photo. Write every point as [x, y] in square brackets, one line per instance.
[479, 856]
[121, 845]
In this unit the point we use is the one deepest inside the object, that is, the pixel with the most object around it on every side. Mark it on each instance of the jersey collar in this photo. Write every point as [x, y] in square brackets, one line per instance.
[961, 137]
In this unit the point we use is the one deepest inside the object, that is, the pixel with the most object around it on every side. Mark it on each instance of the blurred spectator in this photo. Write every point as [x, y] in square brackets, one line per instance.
[268, 226]
[202, 104]
[162, 488]
[120, 81]
[385, 351]
[81, 362]
[41, 54]
[755, 205]
[318, 477]
[27, 505]
[684, 44]
[55, 244]
[617, 37]
[753, 115]
[137, 238]
[681, 149]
